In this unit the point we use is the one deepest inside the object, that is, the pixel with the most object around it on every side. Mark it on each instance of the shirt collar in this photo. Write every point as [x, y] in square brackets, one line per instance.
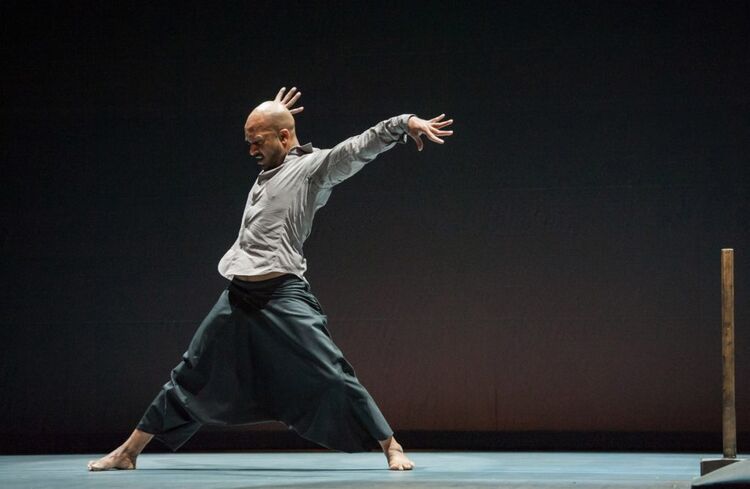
[297, 151]
[300, 150]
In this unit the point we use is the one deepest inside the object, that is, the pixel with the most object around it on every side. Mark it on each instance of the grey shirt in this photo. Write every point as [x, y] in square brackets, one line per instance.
[283, 200]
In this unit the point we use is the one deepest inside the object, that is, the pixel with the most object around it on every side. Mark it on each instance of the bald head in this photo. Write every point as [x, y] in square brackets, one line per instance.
[270, 133]
[272, 116]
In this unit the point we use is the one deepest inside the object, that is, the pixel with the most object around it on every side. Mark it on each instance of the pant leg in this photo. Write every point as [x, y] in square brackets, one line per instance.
[213, 384]
[168, 420]
[312, 387]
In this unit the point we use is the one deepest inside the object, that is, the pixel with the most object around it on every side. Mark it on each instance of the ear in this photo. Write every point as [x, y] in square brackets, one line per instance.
[284, 136]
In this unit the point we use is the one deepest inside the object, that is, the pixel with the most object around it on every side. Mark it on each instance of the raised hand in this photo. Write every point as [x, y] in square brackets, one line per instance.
[289, 99]
[432, 128]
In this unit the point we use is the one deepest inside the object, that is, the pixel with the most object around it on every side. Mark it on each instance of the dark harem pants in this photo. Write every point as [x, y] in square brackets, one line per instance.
[263, 353]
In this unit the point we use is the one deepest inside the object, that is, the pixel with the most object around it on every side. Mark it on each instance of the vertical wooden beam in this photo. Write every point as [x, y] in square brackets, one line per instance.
[728, 416]
[729, 420]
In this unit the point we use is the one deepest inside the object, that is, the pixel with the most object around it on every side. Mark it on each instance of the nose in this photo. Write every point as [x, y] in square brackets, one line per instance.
[253, 149]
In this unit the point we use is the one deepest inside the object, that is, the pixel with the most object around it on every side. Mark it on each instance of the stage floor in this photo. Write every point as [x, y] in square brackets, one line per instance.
[435, 470]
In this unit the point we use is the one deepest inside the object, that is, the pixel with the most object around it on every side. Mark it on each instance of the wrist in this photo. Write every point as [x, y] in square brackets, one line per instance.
[406, 122]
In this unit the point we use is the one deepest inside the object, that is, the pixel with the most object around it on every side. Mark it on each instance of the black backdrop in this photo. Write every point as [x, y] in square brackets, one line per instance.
[553, 268]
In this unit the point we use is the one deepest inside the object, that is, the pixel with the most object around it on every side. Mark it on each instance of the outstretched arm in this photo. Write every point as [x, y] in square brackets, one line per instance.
[348, 157]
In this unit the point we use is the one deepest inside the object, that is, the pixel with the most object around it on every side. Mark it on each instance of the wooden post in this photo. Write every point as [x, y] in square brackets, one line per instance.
[728, 416]
[729, 420]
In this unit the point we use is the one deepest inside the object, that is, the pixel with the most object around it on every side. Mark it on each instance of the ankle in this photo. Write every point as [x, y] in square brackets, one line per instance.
[127, 452]
[391, 445]
[395, 447]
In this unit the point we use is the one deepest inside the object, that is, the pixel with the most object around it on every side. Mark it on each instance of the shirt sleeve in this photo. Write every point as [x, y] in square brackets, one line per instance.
[349, 156]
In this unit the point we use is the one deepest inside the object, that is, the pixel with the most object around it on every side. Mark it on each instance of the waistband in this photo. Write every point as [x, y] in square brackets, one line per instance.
[270, 284]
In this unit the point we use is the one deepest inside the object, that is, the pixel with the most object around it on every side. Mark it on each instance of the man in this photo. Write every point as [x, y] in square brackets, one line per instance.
[263, 352]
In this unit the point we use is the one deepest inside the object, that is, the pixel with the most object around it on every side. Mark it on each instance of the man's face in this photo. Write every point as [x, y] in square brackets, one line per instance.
[265, 144]
[266, 148]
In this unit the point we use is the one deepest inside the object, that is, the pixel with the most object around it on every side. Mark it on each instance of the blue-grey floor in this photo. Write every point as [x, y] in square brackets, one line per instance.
[435, 470]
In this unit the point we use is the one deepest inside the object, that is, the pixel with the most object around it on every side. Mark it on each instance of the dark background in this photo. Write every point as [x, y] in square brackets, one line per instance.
[552, 269]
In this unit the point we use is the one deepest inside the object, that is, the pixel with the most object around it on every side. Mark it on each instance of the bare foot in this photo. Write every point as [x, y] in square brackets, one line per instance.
[117, 460]
[123, 457]
[394, 452]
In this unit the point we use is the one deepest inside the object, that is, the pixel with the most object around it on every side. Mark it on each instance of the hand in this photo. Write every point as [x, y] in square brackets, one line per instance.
[432, 129]
[289, 99]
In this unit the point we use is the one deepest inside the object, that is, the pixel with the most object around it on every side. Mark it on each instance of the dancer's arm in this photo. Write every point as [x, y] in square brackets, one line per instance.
[348, 157]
